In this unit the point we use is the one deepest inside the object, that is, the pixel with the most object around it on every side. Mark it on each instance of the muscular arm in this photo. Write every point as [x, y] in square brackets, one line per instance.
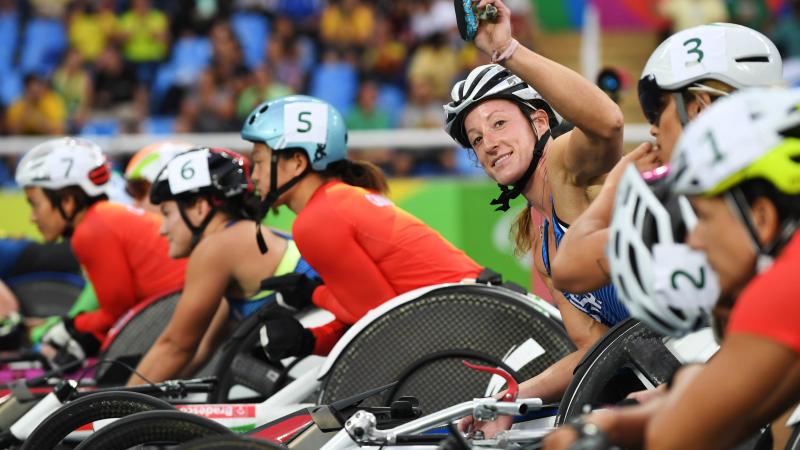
[724, 404]
[595, 145]
[580, 264]
[219, 328]
[207, 275]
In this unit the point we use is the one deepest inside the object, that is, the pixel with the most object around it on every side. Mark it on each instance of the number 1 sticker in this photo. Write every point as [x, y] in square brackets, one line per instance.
[189, 171]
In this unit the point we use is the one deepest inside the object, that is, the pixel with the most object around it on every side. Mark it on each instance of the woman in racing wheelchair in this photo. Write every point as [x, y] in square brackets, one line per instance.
[204, 195]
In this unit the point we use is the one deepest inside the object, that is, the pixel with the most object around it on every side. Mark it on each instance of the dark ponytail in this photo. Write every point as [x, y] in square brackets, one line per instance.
[358, 173]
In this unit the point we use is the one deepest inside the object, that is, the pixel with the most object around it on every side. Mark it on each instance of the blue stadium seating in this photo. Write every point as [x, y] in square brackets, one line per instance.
[337, 84]
[252, 30]
[43, 43]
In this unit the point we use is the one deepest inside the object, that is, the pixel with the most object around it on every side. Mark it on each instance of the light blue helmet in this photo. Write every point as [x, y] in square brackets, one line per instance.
[299, 122]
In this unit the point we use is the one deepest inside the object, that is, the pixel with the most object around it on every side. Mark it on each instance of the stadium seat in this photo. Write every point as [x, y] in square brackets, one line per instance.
[43, 43]
[11, 86]
[190, 56]
[159, 125]
[9, 32]
[104, 127]
[337, 84]
[392, 99]
[252, 30]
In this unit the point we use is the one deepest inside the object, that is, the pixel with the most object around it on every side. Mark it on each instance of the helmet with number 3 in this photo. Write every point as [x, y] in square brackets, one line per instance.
[63, 162]
[733, 54]
[662, 282]
[299, 122]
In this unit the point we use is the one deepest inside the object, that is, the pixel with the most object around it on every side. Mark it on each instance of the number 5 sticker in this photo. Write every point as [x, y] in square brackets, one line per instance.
[305, 122]
[189, 171]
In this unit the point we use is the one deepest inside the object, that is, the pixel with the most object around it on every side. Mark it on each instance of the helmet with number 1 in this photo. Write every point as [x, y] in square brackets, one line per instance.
[751, 135]
[218, 173]
[648, 224]
[63, 162]
[733, 54]
[299, 122]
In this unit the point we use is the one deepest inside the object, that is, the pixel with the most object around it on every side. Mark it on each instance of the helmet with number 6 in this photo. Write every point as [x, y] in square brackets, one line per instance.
[733, 54]
[663, 283]
[63, 162]
[217, 172]
[299, 122]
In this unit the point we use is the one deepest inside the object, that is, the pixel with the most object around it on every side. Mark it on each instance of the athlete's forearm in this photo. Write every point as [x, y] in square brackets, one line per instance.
[553, 381]
[164, 361]
[574, 97]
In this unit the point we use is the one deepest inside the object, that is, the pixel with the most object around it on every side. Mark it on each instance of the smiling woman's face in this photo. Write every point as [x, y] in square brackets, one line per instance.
[502, 138]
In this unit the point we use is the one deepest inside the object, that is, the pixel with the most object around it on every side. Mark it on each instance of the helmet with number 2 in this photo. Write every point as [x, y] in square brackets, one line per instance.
[661, 281]
[733, 54]
[63, 162]
[299, 122]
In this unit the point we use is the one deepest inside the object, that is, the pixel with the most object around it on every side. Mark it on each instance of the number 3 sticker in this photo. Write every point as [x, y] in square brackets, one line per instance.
[695, 52]
[693, 48]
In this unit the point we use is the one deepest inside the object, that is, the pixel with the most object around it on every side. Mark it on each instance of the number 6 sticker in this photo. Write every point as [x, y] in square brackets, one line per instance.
[188, 171]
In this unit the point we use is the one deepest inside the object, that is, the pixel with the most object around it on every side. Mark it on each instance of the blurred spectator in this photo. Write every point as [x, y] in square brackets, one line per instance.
[422, 110]
[431, 17]
[91, 27]
[39, 111]
[285, 58]
[347, 23]
[366, 115]
[750, 13]
[116, 93]
[685, 14]
[211, 107]
[261, 88]
[144, 35]
[787, 32]
[73, 83]
[51, 9]
[437, 62]
[385, 58]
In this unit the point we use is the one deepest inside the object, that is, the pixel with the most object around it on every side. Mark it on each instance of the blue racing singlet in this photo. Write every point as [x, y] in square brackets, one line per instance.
[601, 304]
[240, 308]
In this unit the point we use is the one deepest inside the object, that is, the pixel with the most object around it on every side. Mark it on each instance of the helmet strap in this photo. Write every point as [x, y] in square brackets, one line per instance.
[57, 199]
[197, 231]
[272, 196]
[680, 106]
[765, 253]
[510, 192]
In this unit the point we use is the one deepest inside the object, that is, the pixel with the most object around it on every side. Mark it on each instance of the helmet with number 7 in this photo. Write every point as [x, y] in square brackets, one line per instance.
[63, 162]
[647, 227]
[299, 122]
[733, 54]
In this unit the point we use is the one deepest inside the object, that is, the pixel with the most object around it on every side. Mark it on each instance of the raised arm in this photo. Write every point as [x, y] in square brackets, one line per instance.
[595, 145]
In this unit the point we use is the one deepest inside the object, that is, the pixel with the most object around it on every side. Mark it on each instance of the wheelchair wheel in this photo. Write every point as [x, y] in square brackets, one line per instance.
[85, 410]
[421, 343]
[227, 442]
[153, 428]
[630, 357]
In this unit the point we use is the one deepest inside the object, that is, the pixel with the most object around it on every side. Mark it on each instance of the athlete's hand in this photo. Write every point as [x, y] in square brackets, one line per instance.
[293, 290]
[284, 337]
[469, 424]
[70, 345]
[646, 395]
[645, 157]
[494, 37]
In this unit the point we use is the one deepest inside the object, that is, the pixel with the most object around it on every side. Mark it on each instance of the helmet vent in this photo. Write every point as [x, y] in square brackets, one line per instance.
[793, 132]
[263, 109]
[756, 59]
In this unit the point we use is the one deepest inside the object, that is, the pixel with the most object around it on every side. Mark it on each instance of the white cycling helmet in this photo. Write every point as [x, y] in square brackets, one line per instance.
[63, 162]
[665, 284]
[487, 82]
[733, 54]
[752, 134]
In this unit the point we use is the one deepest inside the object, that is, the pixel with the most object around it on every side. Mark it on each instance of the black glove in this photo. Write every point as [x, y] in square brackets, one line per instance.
[12, 331]
[71, 345]
[294, 290]
[285, 336]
